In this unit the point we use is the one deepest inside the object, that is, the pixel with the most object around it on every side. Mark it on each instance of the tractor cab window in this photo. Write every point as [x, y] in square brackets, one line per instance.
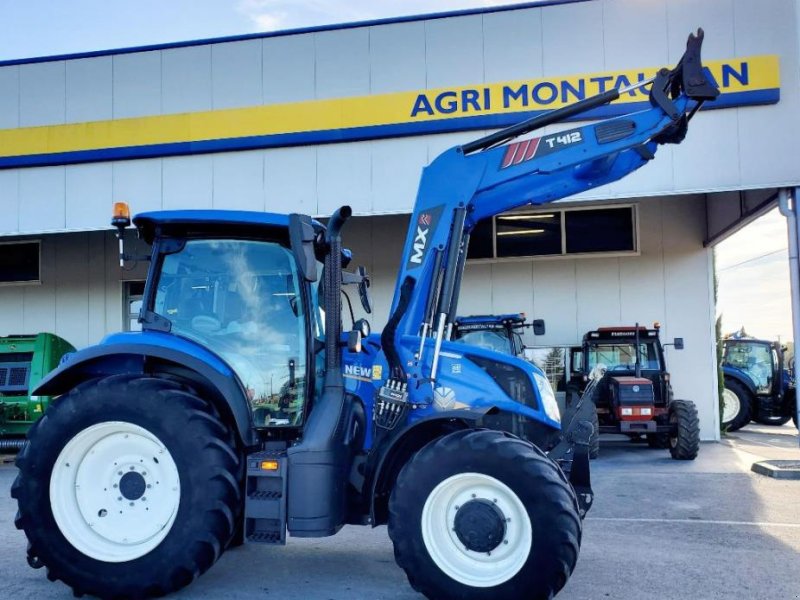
[621, 356]
[755, 359]
[242, 300]
[490, 339]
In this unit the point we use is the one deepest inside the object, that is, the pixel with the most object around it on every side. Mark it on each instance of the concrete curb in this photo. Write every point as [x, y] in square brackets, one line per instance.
[778, 469]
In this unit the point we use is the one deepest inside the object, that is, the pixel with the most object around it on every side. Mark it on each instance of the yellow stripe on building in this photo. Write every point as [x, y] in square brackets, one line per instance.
[748, 74]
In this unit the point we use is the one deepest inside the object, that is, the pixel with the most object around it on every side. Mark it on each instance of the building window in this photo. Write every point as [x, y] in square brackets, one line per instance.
[599, 230]
[530, 234]
[134, 295]
[571, 231]
[20, 262]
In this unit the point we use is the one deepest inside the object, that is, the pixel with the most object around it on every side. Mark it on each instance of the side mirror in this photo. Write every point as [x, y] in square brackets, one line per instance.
[678, 343]
[301, 239]
[354, 341]
[363, 290]
[538, 327]
[362, 326]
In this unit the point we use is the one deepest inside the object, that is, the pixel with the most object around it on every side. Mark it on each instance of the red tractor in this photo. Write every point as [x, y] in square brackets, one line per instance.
[622, 370]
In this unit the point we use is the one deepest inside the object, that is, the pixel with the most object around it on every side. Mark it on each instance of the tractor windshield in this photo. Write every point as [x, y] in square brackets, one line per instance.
[621, 356]
[242, 300]
[490, 339]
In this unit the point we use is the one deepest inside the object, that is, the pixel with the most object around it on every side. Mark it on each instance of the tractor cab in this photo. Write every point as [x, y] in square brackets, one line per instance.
[501, 333]
[240, 292]
[761, 361]
[623, 352]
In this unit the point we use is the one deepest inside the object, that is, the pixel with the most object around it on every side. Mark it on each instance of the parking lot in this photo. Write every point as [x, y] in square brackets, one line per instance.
[659, 529]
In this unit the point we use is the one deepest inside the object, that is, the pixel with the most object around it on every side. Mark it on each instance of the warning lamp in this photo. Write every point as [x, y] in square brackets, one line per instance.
[121, 218]
[269, 465]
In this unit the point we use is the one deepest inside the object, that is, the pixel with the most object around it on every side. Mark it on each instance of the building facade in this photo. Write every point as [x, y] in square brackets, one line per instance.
[307, 120]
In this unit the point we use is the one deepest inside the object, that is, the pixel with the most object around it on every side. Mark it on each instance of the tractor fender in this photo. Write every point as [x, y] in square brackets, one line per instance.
[154, 353]
[394, 451]
[739, 376]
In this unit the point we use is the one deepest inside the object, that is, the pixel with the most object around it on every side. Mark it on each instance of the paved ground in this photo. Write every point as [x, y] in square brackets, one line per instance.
[659, 529]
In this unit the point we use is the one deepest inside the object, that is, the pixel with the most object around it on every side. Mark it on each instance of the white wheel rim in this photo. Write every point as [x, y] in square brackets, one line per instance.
[730, 405]
[475, 569]
[115, 491]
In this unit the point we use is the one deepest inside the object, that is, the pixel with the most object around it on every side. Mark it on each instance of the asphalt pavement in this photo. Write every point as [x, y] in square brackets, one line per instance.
[659, 528]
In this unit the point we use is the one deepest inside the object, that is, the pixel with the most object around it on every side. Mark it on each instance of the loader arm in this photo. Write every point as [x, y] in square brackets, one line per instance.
[489, 176]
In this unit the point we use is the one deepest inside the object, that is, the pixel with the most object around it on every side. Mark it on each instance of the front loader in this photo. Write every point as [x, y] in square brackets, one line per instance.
[242, 412]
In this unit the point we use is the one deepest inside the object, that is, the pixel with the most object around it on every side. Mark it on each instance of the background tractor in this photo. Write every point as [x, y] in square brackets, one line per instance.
[759, 386]
[242, 412]
[623, 371]
[502, 333]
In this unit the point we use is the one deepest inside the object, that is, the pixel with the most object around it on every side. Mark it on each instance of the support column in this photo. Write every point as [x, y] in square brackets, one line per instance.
[788, 207]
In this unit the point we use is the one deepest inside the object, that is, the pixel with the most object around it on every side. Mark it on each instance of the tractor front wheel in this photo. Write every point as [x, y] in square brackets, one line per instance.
[684, 435]
[479, 514]
[736, 406]
[127, 488]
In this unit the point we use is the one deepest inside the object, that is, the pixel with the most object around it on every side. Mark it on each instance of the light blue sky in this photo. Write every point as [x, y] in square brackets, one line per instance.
[43, 27]
[754, 291]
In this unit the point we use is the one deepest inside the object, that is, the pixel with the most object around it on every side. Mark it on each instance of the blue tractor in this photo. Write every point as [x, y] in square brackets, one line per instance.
[502, 333]
[242, 411]
[759, 386]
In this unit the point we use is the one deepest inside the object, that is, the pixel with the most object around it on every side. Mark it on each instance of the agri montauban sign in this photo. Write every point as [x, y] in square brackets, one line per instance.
[742, 81]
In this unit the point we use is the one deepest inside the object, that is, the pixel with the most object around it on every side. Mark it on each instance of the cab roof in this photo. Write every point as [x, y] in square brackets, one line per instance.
[620, 333]
[211, 222]
[514, 319]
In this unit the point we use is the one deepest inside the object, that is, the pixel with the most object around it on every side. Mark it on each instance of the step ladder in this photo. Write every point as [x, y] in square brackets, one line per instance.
[265, 500]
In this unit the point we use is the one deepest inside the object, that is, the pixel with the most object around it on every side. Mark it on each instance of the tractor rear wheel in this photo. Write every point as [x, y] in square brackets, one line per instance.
[684, 435]
[481, 514]
[736, 406]
[775, 421]
[127, 488]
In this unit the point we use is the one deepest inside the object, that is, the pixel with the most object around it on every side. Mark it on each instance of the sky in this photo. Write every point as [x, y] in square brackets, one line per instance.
[752, 265]
[31, 28]
[753, 272]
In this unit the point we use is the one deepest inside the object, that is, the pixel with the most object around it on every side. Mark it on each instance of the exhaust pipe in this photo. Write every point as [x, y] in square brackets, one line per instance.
[319, 463]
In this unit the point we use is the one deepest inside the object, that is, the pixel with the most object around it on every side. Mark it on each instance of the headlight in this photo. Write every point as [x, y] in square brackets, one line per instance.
[548, 397]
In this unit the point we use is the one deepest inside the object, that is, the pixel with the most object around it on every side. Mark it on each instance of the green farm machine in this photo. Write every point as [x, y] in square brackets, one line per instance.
[24, 361]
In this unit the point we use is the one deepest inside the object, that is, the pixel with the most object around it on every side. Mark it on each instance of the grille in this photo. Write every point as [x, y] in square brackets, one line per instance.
[14, 377]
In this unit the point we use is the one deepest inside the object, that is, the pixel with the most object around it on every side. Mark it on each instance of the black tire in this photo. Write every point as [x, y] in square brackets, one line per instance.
[594, 440]
[774, 421]
[742, 417]
[684, 437]
[533, 478]
[202, 449]
[658, 440]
